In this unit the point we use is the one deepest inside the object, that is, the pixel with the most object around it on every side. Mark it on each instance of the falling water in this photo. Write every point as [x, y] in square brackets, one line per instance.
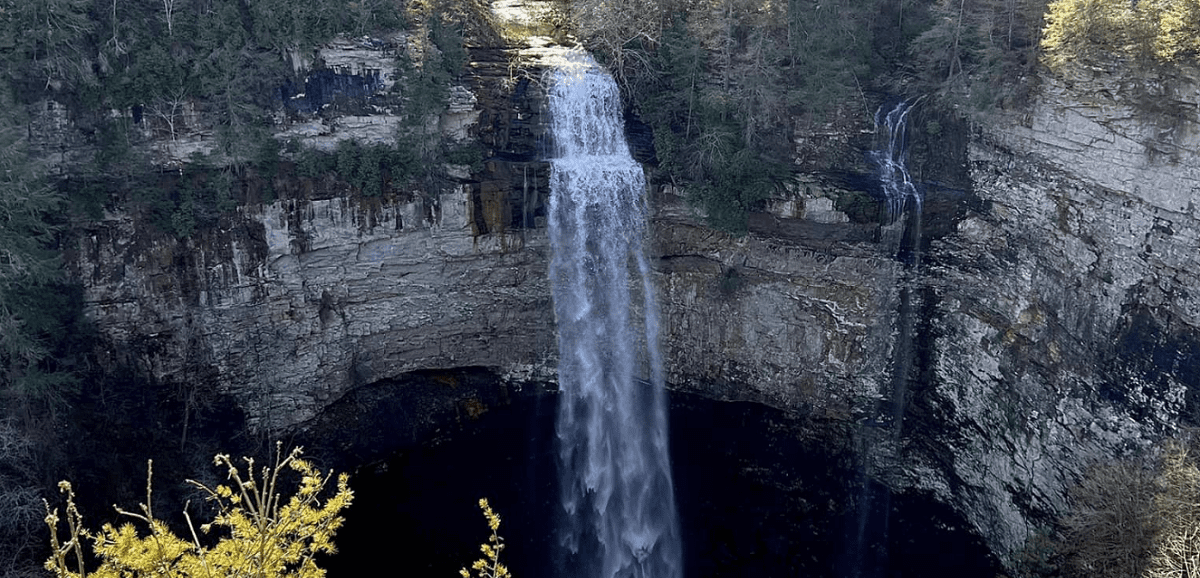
[615, 474]
[881, 437]
[892, 159]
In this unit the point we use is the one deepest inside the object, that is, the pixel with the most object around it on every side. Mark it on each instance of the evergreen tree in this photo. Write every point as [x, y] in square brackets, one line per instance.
[27, 258]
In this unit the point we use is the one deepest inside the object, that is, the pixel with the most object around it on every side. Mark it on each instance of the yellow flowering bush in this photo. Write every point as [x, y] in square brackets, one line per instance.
[489, 566]
[266, 536]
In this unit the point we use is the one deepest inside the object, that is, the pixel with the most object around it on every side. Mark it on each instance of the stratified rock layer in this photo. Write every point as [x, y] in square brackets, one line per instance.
[1063, 321]
[289, 305]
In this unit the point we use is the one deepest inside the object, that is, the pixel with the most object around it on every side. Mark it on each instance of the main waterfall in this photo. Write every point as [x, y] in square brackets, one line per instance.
[615, 474]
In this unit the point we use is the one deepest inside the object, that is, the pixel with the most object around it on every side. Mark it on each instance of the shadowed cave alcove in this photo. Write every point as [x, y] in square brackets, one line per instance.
[758, 493]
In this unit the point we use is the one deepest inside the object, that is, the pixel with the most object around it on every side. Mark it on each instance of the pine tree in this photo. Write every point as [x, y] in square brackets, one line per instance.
[27, 259]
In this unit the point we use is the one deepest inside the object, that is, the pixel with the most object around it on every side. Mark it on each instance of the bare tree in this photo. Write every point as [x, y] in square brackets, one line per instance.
[169, 110]
[1111, 526]
[612, 27]
[19, 500]
[955, 58]
[169, 11]
[1177, 508]
[115, 41]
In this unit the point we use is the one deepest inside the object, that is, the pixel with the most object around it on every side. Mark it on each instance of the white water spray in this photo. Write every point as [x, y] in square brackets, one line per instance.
[617, 496]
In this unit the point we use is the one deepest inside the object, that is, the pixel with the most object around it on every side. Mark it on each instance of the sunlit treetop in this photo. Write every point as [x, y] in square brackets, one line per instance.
[1130, 32]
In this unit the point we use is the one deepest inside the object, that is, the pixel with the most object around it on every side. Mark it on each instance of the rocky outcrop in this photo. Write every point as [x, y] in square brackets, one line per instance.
[799, 314]
[1099, 128]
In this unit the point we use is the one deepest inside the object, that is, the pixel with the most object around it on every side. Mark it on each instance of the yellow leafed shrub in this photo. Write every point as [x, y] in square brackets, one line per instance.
[266, 536]
[489, 566]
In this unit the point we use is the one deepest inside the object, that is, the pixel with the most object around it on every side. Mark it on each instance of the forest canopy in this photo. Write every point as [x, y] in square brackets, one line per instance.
[1137, 32]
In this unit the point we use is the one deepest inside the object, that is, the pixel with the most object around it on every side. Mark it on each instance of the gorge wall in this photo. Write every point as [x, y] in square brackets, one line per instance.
[1063, 323]
[1054, 318]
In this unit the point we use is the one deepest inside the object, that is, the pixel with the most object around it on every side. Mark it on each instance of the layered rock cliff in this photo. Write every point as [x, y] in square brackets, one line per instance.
[1061, 319]
[288, 305]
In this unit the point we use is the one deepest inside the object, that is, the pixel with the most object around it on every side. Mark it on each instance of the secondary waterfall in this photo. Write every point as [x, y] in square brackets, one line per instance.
[880, 439]
[615, 474]
[892, 159]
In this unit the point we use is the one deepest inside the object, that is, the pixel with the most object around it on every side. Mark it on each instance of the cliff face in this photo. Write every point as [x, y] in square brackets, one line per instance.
[289, 305]
[1062, 320]
[1045, 323]
[1045, 320]
[799, 314]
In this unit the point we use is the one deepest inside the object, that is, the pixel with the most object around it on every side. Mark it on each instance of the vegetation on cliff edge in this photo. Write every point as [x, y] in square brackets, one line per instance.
[726, 85]
[1130, 34]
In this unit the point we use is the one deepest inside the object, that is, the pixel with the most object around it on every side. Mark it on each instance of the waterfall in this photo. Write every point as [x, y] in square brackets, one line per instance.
[615, 475]
[880, 439]
[892, 159]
